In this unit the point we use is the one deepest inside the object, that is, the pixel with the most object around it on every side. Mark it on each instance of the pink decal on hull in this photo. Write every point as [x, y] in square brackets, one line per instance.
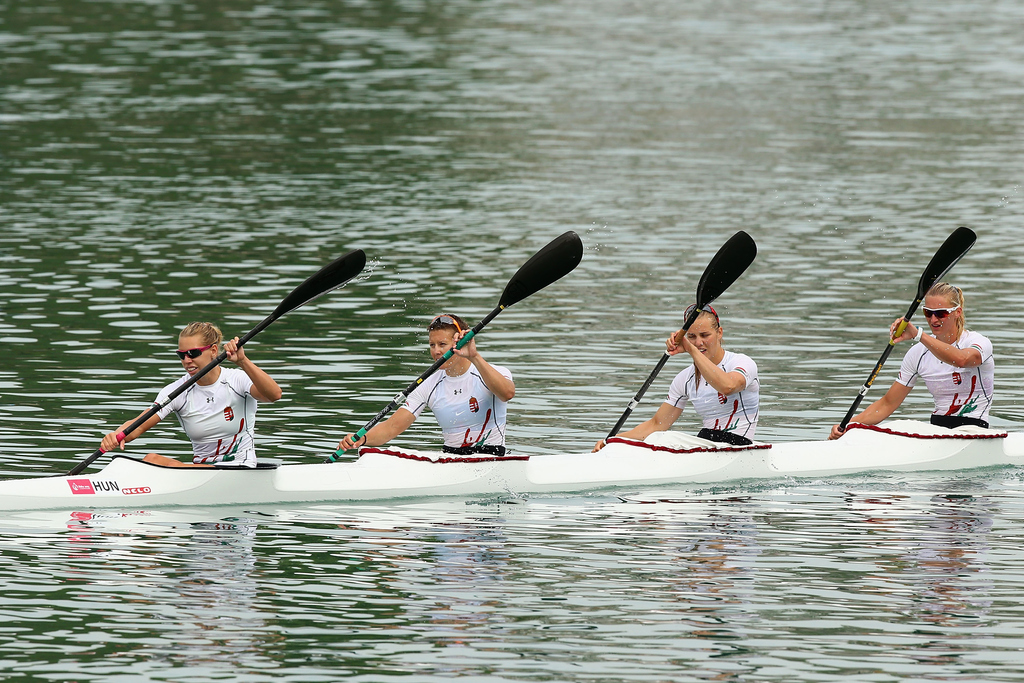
[81, 486]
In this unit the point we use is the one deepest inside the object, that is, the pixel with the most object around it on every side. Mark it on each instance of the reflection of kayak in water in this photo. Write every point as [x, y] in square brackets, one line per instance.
[390, 472]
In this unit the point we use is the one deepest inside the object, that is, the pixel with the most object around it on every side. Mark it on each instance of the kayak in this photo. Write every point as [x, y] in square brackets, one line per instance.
[381, 473]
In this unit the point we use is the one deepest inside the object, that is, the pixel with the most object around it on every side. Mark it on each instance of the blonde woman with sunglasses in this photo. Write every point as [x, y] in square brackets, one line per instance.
[955, 364]
[467, 395]
[218, 412]
[722, 386]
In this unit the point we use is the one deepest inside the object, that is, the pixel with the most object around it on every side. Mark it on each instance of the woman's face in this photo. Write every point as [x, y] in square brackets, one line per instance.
[706, 337]
[937, 303]
[440, 341]
[194, 365]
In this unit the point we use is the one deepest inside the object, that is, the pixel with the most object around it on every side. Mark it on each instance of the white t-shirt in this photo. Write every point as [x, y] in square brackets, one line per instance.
[963, 392]
[464, 407]
[219, 419]
[735, 413]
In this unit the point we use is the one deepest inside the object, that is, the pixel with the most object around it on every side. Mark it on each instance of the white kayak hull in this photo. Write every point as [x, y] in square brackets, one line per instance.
[387, 473]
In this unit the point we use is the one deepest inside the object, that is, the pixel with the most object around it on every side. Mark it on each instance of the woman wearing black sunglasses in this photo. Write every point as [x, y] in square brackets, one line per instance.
[955, 363]
[467, 395]
[722, 386]
[218, 412]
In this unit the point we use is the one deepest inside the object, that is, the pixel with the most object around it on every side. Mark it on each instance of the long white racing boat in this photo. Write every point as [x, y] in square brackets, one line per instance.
[388, 472]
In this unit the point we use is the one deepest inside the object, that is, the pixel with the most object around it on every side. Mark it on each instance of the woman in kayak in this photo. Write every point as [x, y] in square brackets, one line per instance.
[218, 411]
[955, 363]
[468, 396]
[722, 386]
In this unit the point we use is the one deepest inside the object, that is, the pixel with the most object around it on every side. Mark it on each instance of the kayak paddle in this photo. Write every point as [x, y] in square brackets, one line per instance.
[331, 276]
[952, 250]
[551, 263]
[724, 269]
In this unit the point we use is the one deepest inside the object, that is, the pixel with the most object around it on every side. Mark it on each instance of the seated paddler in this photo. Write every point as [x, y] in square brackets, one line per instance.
[468, 395]
[955, 364]
[218, 412]
[722, 386]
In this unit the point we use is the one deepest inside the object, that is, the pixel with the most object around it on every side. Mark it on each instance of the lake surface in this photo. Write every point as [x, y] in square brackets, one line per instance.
[163, 162]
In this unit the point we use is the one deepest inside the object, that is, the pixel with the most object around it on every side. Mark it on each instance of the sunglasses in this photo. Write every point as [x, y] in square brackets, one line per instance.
[707, 309]
[938, 313]
[193, 353]
[442, 320]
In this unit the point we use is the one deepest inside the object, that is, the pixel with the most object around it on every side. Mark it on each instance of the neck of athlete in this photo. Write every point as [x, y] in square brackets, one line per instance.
[948, 333]
[209, 378]
[716, 356]
[457, 366]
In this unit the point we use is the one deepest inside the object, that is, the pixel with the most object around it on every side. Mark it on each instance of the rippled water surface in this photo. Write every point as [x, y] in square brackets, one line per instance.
[164, 161]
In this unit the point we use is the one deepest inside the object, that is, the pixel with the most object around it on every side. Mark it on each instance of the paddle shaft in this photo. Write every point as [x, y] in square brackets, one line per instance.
[400, 398]
[650, 379]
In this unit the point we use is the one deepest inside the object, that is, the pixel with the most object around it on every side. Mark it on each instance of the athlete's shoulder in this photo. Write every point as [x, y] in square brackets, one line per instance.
[685, 375]
[972, 338]
[915, 353]
[740, 361]
[174, 385]
[236, 379]
[502, 370]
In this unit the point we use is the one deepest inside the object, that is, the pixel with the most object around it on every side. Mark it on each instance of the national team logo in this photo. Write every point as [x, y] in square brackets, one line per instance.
[81, 487]
[958, 379]
[229, 414]
[474, 405]
[722, 398]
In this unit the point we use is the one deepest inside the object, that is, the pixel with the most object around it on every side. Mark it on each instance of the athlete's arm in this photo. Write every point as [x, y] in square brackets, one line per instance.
[110, 442]
[725, 383]
[664, 418]
[497, 383]
[263, 388]
[880, 409]
[381, 432]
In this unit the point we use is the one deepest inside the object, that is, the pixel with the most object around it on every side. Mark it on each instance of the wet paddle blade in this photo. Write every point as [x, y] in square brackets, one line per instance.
[328, 278]
[553, 262]
[952, 250]
[725, 267]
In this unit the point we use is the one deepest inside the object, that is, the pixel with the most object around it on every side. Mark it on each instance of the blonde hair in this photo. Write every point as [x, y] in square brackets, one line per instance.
[955, 296]
[208, 332]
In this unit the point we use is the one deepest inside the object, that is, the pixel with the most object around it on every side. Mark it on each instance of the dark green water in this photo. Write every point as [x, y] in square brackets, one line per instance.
[162, 162]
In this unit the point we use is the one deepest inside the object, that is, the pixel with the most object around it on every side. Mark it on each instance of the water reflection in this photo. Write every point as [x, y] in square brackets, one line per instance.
[198, 578]
[948, 554]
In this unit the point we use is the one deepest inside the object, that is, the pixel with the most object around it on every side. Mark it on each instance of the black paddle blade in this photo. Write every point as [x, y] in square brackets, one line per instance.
[551, 263]
[952, 250]
[331, 276]
[726, 267]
